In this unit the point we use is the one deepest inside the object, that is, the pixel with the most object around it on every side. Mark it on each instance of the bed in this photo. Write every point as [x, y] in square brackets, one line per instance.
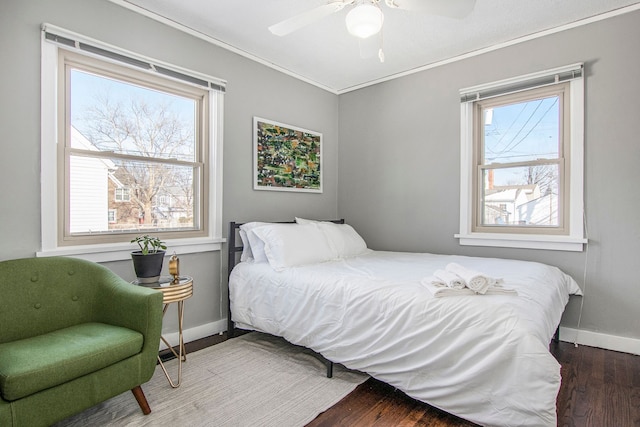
[484, 358]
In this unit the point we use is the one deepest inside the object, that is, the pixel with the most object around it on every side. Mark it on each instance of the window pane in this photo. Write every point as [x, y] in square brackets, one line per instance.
[523, 196]
[522, 131]
[113, 115]
[122, 195]
[161, 197]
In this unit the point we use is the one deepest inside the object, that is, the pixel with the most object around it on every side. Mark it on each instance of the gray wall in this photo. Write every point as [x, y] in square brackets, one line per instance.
[398, 155]
[252, 89]
[400, 169]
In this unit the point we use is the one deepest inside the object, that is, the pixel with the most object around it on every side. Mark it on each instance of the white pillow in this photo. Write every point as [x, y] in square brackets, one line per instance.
[306, 221]
[253, 246]
[247, 255]
[345, 241]
[290, 245]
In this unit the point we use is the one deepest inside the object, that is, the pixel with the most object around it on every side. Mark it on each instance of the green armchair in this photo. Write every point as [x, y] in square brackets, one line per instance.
[72, 334]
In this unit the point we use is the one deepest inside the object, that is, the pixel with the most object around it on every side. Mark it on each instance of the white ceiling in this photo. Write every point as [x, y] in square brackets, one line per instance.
[326, 55]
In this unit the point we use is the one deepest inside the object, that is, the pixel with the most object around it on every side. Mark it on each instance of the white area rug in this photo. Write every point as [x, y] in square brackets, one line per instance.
[252, 380]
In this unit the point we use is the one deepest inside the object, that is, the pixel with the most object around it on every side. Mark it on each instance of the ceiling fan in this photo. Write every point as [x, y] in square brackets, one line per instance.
[365, 17]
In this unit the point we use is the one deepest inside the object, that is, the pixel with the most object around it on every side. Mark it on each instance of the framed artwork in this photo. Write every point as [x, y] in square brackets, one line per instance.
[286, 158]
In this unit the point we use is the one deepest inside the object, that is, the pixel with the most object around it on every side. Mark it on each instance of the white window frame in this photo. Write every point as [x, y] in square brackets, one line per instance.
[574, 239]
[50, 216]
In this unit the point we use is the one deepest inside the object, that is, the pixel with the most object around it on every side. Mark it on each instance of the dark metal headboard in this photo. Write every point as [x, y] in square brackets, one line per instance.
[234, 248]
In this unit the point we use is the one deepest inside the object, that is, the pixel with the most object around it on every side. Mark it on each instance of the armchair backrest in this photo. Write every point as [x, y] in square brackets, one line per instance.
[40, 295]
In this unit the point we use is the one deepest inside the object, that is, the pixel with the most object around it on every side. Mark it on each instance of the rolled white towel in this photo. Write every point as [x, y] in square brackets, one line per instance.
[449, 279]
[439, 290]
[475, 280]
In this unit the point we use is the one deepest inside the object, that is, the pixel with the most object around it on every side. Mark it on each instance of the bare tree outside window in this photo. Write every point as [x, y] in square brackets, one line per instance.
[149, 137]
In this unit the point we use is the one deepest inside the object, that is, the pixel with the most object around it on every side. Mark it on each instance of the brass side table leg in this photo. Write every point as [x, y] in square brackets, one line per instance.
[182, 354]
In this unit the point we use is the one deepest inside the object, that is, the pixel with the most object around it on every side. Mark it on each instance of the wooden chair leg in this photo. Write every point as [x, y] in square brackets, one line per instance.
[142, 400]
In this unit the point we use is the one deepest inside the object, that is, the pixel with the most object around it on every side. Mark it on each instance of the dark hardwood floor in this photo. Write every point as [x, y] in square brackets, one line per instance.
[600, 388]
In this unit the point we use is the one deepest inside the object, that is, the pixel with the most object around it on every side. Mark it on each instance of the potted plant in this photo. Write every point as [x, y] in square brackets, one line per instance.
[147, 262]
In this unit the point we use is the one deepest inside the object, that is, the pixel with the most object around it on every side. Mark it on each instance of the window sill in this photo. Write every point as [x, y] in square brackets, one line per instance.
[122, 251]
[554, 243]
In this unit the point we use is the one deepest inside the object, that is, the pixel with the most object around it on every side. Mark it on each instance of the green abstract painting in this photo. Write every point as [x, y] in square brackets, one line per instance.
[286, 158]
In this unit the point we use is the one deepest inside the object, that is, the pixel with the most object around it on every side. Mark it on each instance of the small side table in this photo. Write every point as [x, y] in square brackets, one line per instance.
[173, 292]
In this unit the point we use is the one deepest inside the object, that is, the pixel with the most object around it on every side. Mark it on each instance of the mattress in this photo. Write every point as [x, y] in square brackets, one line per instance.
[484, 358]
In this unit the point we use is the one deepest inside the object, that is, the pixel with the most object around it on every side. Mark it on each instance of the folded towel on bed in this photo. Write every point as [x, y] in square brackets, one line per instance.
[448, 279]
[475, 280]
[439, 290]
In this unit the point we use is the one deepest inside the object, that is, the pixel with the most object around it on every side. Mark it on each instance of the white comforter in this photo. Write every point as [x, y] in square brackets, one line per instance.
[484, 358]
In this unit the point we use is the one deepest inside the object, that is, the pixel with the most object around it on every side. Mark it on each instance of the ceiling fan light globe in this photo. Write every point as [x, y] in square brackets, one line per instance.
[364, 20]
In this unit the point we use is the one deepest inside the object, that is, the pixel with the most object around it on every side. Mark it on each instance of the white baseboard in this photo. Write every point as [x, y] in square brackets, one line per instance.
[596, 339]
[195, 333]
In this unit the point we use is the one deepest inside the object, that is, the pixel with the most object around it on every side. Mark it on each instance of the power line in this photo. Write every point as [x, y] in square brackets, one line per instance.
[536, 124]
[524, 106]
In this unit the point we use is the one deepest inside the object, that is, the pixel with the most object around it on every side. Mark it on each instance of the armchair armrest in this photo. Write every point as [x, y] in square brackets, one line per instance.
[135, 307]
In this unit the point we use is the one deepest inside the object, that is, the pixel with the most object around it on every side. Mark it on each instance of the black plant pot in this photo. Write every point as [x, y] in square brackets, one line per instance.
[148, 267]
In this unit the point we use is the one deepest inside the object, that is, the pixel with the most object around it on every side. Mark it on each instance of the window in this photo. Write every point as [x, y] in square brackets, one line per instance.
[136, 136]
[122, 195]
[521, 170]
[145, 132]
[519, 161]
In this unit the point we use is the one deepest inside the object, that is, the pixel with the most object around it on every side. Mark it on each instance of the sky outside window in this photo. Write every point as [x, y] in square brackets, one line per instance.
[89, 91]
[521, 132]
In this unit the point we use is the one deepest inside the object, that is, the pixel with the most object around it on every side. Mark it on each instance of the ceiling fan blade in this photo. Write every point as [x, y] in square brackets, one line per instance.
[305, 18]
[450, 8]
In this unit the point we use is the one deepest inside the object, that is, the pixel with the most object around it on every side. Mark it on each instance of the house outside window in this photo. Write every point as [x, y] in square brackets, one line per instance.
[522, 162]
[129, 131]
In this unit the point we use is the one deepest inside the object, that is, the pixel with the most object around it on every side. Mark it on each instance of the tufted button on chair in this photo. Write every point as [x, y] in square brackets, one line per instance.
[72, 334]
